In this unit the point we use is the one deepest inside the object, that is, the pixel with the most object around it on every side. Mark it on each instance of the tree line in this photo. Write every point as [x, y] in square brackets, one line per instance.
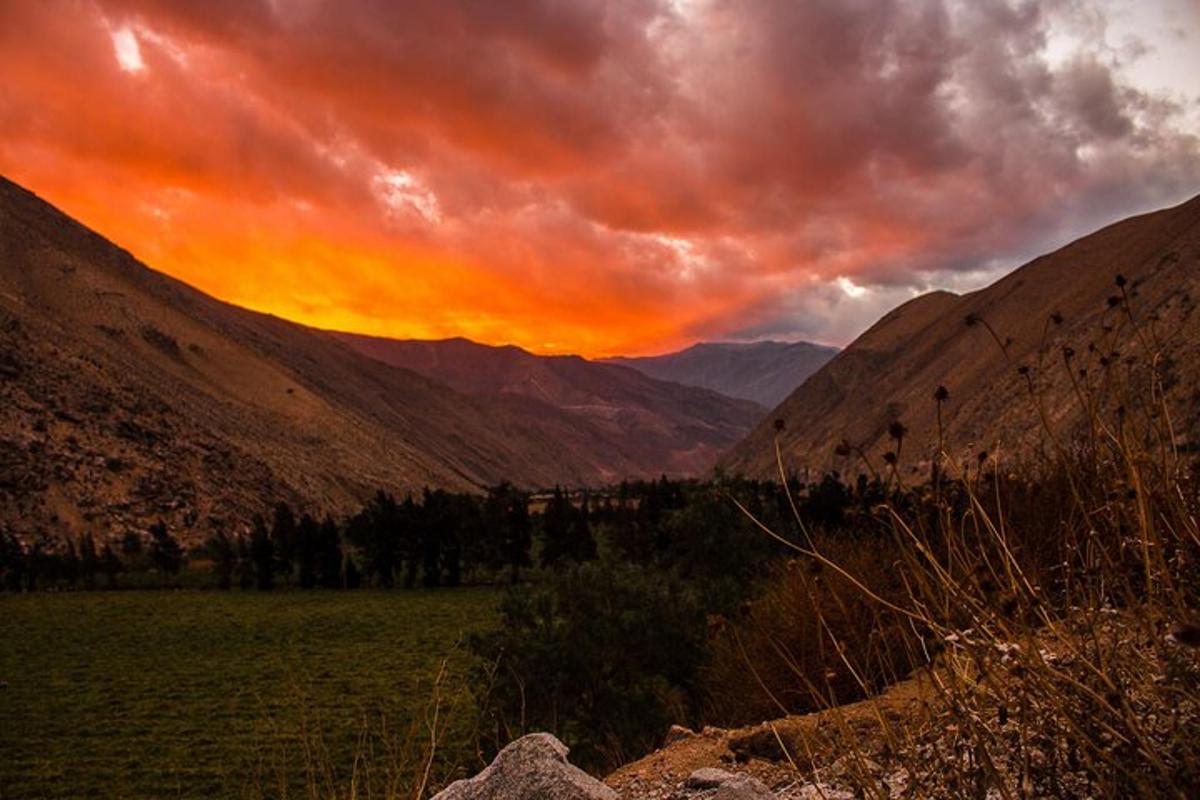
[436, 538]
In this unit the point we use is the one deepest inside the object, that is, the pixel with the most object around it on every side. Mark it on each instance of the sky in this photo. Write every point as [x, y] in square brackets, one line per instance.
[598, 177]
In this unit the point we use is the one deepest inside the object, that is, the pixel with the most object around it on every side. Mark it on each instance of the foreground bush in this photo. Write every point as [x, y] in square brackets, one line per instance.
[1051, 606]
[604, 656]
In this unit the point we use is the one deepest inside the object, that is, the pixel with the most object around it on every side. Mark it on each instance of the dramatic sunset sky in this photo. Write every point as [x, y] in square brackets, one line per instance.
[582, 176]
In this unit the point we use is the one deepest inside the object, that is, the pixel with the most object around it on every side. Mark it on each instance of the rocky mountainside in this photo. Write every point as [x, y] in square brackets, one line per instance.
[614, 419]
[764, 372]
[1060, 328]
[127, 396]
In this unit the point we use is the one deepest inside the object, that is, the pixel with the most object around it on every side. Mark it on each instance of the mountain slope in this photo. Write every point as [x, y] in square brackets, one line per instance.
[891, 371]
[126, 396]
[764, 372]
[615, 418]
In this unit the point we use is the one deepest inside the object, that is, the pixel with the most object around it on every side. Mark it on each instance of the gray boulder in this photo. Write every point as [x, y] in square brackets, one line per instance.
[533, 767]
[727, 785]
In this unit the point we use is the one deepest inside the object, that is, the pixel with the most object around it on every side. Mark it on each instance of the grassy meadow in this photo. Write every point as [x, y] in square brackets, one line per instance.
[204, 694]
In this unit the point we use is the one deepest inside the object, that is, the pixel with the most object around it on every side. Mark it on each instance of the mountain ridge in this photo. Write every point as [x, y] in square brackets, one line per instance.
[764, 372]
[649, 425]
[1056, 301]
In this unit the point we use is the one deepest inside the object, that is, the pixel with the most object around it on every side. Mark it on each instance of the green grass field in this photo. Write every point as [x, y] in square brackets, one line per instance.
[207, 694]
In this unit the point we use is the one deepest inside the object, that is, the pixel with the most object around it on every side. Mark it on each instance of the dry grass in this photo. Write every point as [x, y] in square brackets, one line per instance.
[1052, 606]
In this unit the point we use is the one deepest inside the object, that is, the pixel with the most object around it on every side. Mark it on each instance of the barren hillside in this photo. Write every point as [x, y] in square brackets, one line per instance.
[999, 370]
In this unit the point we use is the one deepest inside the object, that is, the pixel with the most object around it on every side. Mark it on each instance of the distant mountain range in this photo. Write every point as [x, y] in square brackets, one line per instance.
[764, 372]
[612, 419]
[1058, 324]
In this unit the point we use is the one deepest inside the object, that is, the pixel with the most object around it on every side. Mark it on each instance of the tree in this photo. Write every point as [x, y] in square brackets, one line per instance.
[581, 545]
[12, 562]
[133, 551]
[89, 561]
[246, 572]
[328, 556]
[283, 537]
[353, 578]
[307, 534]
[68, 564]
[262, 555]
[111, 565]
[507, 518]
[601, 655]
[376, 532]
[223, 552]
[555, 529]
[433, 518]
[166, 555]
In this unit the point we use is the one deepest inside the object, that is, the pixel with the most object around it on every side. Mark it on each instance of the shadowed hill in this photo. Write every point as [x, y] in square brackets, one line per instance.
[613, 418]
[764, 372]
[1059, 300]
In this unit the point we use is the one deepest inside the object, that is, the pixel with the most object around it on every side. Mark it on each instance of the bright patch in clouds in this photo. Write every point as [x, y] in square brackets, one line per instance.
[850, 288]
[403, 196]
[125, 46]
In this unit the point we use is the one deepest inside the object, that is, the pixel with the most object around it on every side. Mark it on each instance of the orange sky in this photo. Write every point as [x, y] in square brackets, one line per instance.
[589, 177]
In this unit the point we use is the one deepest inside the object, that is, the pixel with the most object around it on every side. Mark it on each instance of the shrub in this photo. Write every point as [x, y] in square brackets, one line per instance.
[603, 655]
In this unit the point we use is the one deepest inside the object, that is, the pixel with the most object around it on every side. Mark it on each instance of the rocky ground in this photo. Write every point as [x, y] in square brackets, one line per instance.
[946, 732]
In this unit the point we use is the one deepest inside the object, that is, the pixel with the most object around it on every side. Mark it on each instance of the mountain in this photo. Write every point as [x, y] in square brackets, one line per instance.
[614, 419]
[127, 396]
[1061, 300]
[764, 372]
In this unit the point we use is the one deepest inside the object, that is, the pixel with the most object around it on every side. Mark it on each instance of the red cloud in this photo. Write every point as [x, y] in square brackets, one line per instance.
[587, 176]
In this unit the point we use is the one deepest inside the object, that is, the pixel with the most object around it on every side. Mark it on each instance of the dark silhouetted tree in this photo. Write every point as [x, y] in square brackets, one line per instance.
[111, 565]
[89, 561]
[507, 518]
[166, 555]
[223, 552]
[283, 537]
[328, 557]
[307, 534]
[555, 529]
[262, 554]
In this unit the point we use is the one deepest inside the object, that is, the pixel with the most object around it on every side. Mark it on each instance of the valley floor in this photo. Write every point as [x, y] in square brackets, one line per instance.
[215, 694]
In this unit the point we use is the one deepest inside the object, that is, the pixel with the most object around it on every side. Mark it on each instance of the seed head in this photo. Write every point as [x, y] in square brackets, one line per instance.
[941, 394]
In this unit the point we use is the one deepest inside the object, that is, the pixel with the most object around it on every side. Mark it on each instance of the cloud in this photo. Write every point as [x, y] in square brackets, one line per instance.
[590, 176]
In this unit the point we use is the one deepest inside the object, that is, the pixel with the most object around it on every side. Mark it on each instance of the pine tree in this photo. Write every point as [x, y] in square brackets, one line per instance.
[165, 553]
[329, 555]
[223, 552]
[110, 565]
[283, 538]
[307, 534]
[262, 554]
[89, 561]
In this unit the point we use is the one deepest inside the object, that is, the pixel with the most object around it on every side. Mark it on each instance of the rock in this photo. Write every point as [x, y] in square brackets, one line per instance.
[758, 742]
[707, 778]
[533, 767]
[677, 733]
[728, 786]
